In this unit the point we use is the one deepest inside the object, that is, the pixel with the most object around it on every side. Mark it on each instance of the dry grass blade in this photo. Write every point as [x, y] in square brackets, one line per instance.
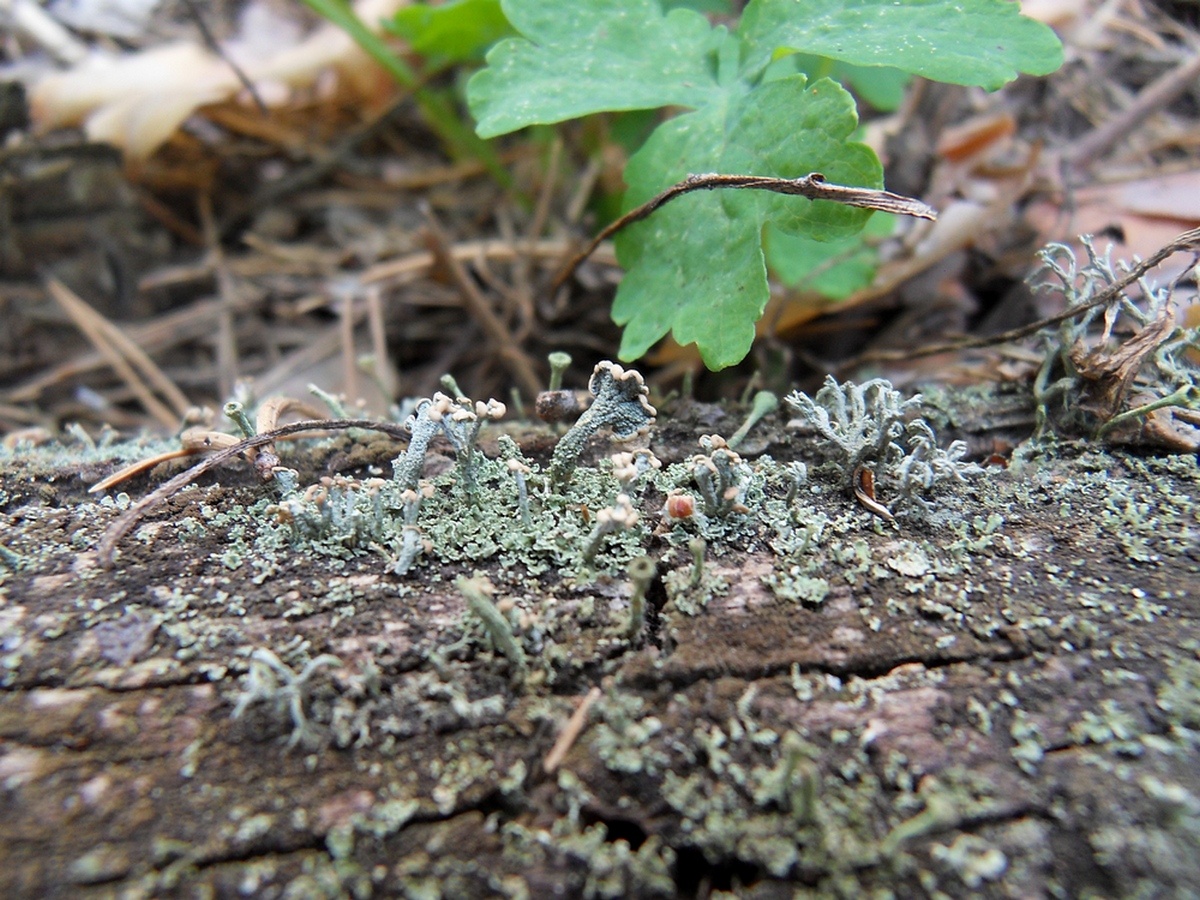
[124, 356]
[119, 528]
[477, 305]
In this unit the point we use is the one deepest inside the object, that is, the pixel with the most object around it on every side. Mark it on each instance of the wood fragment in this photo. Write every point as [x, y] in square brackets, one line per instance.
[570, 732]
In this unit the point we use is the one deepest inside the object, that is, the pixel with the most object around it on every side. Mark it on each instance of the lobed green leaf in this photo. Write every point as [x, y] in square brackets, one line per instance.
[834, 269]
[975, 42]
[603, 55]
[696, 266]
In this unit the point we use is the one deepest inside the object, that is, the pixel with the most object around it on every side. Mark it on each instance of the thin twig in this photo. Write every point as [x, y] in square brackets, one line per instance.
[477, 305]
[119, 528]
[1185, 241]
[570, 732]
[124, 356]
[1155, 96]
[211, 41]
[813, 186]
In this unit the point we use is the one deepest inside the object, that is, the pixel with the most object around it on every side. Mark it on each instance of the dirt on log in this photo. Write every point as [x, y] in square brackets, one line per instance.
[1001, 698]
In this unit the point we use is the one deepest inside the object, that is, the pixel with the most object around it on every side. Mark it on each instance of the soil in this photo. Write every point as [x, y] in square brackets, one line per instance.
[1000, 698]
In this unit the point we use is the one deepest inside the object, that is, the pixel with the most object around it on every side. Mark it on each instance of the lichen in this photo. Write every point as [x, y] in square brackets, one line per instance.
[870, 427]
[1120, 363]
[621, 403]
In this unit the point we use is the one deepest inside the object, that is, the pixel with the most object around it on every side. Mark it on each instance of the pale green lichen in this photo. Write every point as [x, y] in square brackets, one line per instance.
[871, 426]
[477, 592]
[1095, 376]
[284, 691]
[621, 403]
[723, 479]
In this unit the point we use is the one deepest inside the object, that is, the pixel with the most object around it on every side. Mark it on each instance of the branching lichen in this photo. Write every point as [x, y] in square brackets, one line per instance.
[1118, 364]
[870, 428]
[286, 692]
[859, 424]
[622, 404]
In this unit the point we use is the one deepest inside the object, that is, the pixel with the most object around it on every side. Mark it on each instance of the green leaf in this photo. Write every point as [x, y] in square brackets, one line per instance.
[834, 269]
[974, 42]
[340, 14]
[602, 55]
[717, 7]
[695, 267]
[881, 86]
[455, 31]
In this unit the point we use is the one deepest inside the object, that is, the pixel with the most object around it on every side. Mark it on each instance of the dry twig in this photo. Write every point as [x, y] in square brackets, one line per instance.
[813, 186]
[1184, 241]
[119, 528]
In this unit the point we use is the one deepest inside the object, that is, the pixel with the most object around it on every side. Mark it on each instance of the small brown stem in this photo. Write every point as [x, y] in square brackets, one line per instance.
[1185, 241]
[813, 186]
[120, 527]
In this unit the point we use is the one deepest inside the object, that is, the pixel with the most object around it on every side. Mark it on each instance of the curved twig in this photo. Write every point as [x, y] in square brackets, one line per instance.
[119, 528]
[1182, 242]
[813, 186]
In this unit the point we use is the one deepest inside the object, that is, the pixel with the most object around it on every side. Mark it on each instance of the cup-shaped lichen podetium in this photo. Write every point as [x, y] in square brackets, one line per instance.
[621, 404]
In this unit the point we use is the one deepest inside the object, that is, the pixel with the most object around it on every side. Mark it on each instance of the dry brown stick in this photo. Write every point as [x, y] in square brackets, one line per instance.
[226, 339]
[1185, 241]
[477, 305]
[119, 528]
[1156, 95]
[92, 324]
[570, 732]
[813, 186]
